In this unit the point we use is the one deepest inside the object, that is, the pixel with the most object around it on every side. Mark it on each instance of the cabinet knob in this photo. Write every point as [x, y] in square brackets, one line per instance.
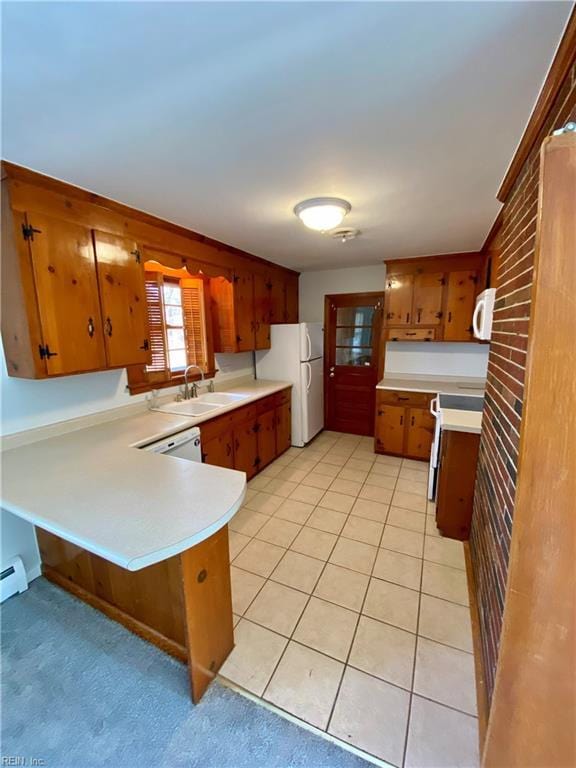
[90, 327]
[108, 327]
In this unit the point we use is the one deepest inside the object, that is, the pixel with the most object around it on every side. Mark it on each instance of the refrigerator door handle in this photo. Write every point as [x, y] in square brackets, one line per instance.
[309, 382]
[309, 344]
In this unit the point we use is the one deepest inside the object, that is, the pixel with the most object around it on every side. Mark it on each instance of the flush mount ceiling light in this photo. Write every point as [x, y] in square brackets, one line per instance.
[322, 213]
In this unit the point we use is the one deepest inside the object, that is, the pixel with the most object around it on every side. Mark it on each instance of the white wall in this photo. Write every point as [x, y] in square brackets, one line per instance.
[439, 359]
[314, 286]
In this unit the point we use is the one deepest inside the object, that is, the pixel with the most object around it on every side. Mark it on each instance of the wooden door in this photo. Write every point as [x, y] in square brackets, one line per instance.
[427, 298]
[292, 299]
[266, 438]
[62, 256]
[390, 429]
[262, 307]
[123, 300]
[353, 323]
[460, 300]
[218, 450]
[283, 428]
[246, 448]
[277, 298]
[399, 293]
[419, 433]
[244, 310]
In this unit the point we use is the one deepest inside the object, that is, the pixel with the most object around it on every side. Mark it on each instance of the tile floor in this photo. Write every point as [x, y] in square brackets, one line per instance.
[351, 612]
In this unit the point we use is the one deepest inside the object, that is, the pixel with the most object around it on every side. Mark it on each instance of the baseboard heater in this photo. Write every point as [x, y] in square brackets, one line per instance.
[13, 579]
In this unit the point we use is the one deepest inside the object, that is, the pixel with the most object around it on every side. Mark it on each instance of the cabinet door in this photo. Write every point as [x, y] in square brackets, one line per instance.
[390, 426]
[64, 266]
[283, 428]
[277, 298]
[427, 301]
[266, 438]
[246, 448]
[244, 310]
[219, 451]
[420, 432]
[262, 307]
[461, 297]
[292, 299]
[123, 300]
[399, 291]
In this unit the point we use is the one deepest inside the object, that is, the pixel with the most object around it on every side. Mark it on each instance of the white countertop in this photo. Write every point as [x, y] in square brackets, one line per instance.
[447, 385]
[455, 420]
[94, 488]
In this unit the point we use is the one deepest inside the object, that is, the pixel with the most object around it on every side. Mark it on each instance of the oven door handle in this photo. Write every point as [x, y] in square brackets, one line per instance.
[433, 406]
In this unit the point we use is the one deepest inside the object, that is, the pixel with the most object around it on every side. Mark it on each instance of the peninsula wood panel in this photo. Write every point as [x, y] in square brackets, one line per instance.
[456, 479]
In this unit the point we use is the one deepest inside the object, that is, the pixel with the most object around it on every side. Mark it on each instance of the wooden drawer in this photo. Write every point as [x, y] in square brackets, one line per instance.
[248, 412]
[284, 396]
[394, 397]
[215, 427]
[410, 334]
[266, 404]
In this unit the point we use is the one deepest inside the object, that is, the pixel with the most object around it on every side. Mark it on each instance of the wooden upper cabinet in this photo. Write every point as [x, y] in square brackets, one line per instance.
[292, 298]
[427, 298]
[123, 300]
[460, 300]
[277, 297]
[262, 309]
[66, 287]
[240, 312]
[399, 293]
[244, 310]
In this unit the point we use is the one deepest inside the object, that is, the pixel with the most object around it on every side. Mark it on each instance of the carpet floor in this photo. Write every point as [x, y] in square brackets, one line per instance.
[79, 690]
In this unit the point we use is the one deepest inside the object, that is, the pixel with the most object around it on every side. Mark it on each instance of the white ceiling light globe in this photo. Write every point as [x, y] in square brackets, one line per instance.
[322, 213]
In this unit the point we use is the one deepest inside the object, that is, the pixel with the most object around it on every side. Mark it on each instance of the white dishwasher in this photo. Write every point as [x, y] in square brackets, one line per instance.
[183, 445]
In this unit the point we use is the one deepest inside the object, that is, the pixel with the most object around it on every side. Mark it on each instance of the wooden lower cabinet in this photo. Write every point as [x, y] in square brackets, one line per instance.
[404, 425]
[456, 480]
[250, 437]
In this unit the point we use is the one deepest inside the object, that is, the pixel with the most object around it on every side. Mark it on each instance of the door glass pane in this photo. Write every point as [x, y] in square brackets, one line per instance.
[353, 356]
[354, 315]
[354, 337]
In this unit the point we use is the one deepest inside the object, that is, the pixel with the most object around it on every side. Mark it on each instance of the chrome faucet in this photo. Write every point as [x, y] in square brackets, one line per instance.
[190, 392]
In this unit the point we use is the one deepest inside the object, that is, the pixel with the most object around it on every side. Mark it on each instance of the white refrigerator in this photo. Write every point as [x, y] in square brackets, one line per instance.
[296, 355]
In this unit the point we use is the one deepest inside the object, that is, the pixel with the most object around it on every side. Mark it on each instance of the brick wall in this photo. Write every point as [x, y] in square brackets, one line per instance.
[512, 249]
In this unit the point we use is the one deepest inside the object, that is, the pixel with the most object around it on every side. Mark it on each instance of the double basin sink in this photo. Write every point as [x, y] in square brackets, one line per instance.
[202, 405]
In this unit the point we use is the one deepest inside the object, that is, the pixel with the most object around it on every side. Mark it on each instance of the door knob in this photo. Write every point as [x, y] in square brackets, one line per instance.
[332, 375]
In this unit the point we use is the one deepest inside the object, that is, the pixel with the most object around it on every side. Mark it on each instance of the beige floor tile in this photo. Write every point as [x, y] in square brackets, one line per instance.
[259, 483]
[356, 475]
[400, 540]
[444, 552]
[293, 452]
[245, 587]
[416, 475]
[411, 486]
[278, 531]
[272, 470]
[250, 493]
[281, 487]
[392, 461]
[354, 555]
[393, 604]
[446, 675]
[384, 470]
[277, 607]
[327, 520]
[307, 494]
[314, 543]
[337, 460]
[294, 511]
[406, 518]
[370, 510]
[382, 481]
[298, 571]
[293, 474]
[264, 502]
[342, 586]
[259, 557]
[439, 736]
[303, 465]
[431, 529]
[316, 480]
[443, 581]
[349, 487]
[431, 507]
[384, 651]
[305, 684]
[328, 470]
[360, 529]
[363, 465]
[420, 466]
[247, 522]
[415, 502]
[327, 627]
[446, 622]
[398, 568]
[371, 715]
[339, 502]
[376, 493]
[254, 657]
[236, 542]
[236, 619]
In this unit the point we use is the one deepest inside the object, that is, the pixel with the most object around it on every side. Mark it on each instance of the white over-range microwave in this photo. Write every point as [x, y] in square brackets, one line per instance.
[483, 312]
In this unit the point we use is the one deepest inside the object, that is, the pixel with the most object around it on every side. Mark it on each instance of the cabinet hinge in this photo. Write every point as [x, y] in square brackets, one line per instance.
[238, 339]
[442, 281]
[145, 345]
[256, 427]
[28, 231]
[269, 285]
[235, 279]
[137, 255]
[44, 352]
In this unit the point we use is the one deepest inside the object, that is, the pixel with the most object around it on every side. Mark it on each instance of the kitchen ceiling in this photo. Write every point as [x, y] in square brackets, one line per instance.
[222, 116]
